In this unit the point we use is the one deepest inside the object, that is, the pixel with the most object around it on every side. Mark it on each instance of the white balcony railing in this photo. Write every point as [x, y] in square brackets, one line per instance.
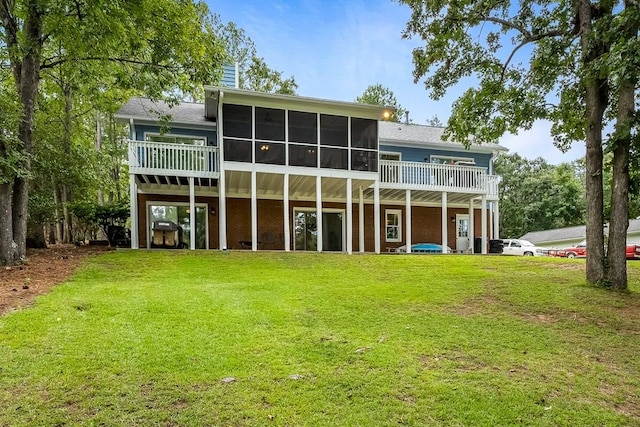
[438, 177]
[159, 158]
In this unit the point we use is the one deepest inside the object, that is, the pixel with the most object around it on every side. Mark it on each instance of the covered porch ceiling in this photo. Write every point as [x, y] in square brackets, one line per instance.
[301, 187]
[397, 196]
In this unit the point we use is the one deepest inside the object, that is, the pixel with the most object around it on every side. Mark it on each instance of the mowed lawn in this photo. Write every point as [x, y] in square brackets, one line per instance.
[233, 339]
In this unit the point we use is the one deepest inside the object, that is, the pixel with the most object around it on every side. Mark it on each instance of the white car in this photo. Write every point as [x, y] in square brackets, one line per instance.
[522, 247]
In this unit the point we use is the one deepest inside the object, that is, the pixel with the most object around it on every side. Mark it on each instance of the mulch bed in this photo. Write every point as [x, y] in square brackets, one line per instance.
[43, 269]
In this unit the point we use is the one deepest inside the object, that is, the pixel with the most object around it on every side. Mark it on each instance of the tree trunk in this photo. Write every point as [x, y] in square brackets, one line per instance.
[35, 235]
[620, 183]
[26, 71]
[67, 225]
[596, 99]
[56, 214]
[6, 226]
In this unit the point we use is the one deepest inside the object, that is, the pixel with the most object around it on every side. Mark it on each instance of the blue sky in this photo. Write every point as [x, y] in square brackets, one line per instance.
[335, 49]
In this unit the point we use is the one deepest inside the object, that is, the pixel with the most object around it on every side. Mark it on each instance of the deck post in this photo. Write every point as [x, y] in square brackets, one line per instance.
[496, 220]
[319, 213]
[376, 215]
[445, 220]
[349, 232]
[222, 188]
[192, 214]
[472, 227]
[361, 219]
[285, 203]
[483, 219]
[408, 220]
[133, 209]
[254, 212]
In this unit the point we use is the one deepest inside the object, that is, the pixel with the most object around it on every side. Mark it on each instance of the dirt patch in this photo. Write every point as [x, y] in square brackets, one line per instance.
[476, 306]
[43, 269]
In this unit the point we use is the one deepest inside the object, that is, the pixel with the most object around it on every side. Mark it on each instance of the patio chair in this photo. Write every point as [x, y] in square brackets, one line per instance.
[268, 239]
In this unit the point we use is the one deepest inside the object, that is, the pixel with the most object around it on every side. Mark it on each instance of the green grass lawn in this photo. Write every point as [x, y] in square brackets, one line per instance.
[147, 338]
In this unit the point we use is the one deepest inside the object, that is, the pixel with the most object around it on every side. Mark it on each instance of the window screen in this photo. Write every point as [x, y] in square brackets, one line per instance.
[269, 124]
[303, 127]
[236, 120]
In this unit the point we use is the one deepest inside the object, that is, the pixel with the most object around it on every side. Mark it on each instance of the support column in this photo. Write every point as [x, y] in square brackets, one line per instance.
[472, 227]
[407, 227]
[287, 227]
[483, 216]
[361, 220]
[349, 216]
[376, 216]
[254, 213]
[133, 209]
[496, 220]
[192, 214]
[445, 221]
[319, 212]
[222, 212]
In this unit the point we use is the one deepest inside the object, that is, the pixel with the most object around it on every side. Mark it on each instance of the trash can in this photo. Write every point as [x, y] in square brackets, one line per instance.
[477, 245]
[496, 246]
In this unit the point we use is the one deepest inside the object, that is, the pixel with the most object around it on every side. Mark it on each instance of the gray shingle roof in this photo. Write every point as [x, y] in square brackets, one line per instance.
[420, 134]
[408, 132]
[570, 233]
[146, 109]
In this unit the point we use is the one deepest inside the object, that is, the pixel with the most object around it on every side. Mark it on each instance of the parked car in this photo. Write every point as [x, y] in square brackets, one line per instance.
[580, 251]
[424, 248]
[522, 247]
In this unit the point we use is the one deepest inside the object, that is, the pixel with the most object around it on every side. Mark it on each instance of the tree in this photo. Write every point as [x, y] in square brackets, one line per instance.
[570, 62]
[535, 195]
[379, 95]
[253, 72]
[435, 122]
[157, 46]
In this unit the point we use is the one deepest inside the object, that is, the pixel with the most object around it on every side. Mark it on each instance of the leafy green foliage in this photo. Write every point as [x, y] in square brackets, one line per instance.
[379, 95]
[535, 195]
[253, 72]
[91, 216]
[573, 63]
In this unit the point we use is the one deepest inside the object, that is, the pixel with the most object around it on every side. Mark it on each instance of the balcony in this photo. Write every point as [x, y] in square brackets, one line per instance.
[438, 177]
[180, 160]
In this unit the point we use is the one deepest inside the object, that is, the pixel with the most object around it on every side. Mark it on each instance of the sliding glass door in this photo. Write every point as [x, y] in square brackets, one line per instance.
[306, 230]
[181, 215]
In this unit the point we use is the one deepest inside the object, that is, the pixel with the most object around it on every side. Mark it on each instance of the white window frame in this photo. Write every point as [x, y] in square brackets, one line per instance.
[454, 159]
[391, 153]
[175, 135]
[398, 213]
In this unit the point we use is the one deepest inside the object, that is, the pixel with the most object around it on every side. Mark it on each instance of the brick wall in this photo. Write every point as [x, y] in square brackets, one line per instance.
[425, 222]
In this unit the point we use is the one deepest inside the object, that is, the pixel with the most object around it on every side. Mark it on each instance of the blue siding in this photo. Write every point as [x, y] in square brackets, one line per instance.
[210, 135]
[228, 76]
[420, 154]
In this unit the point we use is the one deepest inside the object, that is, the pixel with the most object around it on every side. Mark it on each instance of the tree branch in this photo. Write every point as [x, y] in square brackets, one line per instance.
[10, 23]
[46, 64]
[527, 40]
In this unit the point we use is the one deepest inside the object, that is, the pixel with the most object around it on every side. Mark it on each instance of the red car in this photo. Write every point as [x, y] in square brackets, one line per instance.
[580, 251]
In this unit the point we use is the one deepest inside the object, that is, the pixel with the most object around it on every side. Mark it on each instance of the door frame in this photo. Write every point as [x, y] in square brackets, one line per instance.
[459, 239]
[324, 210]
[165, 203]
